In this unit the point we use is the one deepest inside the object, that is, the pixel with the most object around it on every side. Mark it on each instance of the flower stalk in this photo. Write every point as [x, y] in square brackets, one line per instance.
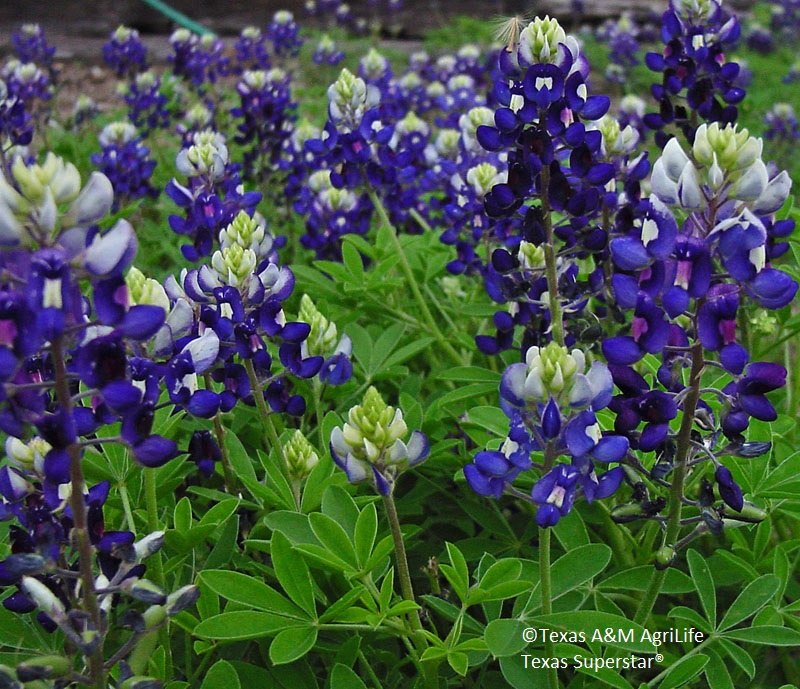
[80, 530]
[427, 317]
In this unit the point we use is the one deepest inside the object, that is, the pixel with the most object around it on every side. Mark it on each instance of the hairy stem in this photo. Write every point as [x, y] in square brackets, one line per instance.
[684, 447]
[80, 528]
[429, 670]
[427, 316]
[219, 432]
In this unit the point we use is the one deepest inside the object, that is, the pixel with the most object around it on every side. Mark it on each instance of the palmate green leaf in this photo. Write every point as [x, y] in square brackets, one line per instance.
[406, 352]
[459, 662]
[517, 675]
[241, 462]
[470, 374]
[452, 612]
[226, 544]
[341, 604]
[244, 624]
[500, 572]
[490, 418]
[182, 516]
[504, 637]
[220, 512]
[685, 670]
[343, 677]
[571, 532]
[576, 568]
[716, 672]
[366, 530]
[704, 585]
[247, 590]
[457, 572]
[766, 635]
[739, 656]
[291, 644]
[339, 505]
[293, 525]
[352, 261]
[757, 594]
[605, 675]
[334, 538]
[293, 574]
[690, 615]
[221, 675]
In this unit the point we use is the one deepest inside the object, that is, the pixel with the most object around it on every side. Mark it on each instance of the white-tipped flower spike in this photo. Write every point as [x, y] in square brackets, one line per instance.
[117, 133]
[207, 155]
[323, 337]
[349, 98]
[234, 265]
[370, 447]
[615, 141]
[145, 290]
[301, 457]
[531, 256]
[554, 372]
[27, 456]
[248, 233]
[373, 65]
[539, 42]
[483, 177]
[726, 164]
[30, 198]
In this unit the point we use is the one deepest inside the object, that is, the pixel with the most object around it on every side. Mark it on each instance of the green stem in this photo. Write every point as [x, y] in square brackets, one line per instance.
[402, 561]
[126, 506]
[271, 437]
[546, 592]
[429, 668]
[427, 317]
[229, 475]
[369, 671]
[80, 528]
[678, 479]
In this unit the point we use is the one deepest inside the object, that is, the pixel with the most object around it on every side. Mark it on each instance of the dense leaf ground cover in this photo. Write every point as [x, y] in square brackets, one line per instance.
[461, 367]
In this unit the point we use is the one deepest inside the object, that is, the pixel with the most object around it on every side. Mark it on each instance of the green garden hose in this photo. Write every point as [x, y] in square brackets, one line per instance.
[178, 17]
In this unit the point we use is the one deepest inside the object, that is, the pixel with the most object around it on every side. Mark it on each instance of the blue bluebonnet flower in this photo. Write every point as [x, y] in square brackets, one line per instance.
[697, 33]
[148, 107]
[621, 38]
[284, 34]
[213, 195]
[125, 53]
[27, 82]
[781, 123]
[30, 45]
[326, 52]
[370, 447]
[125, 160]
[198, 59]
[759, 39]
[551, 401]
[323, 340]
[267, 112]
[16, 125]
[251, 50]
